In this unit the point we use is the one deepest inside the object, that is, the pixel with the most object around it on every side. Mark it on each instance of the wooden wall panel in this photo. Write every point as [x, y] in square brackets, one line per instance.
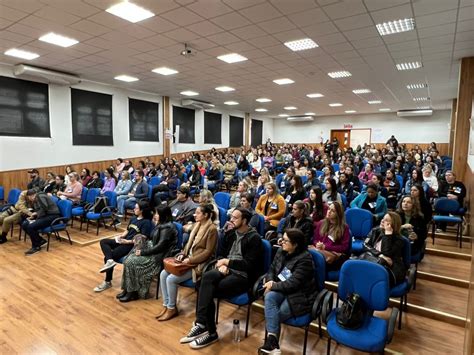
[469, 334]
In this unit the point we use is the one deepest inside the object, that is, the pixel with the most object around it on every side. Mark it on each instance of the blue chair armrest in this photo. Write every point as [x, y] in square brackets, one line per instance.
[327, 306]
[59, 220]
[319, 302]
[411, 277]
[391, 324]
[257, 289]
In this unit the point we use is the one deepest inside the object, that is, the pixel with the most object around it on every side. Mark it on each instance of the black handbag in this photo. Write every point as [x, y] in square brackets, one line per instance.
[351, 314]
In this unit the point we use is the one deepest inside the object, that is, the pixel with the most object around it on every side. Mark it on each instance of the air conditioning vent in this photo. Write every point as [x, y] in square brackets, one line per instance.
[29, 72]
[197, 104]
[300, 118]
[413, 113]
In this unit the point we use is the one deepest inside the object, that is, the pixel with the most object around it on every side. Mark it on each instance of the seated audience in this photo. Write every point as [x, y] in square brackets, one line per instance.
[199, 249]
[242, 187]
[145, 260]
[289, 293]
[296, 192]
[271, 206]
[372, 202]
[85, 177]
[194, 177]
[73, 190]
[58, 185]
[138, 191]
[238, 266]
[418, 193]
[366, 175]
[115, 249]
[299, 219]
[49, 183]
[286, 181]
[35, 181]
[242, 167]
[183, 208]
[110, 181]
[413, 224]
[393, 187]
[351, 178]
[13, 215]
[331, 194]
[332, 237]
[345, 188]
[415, 179]
[96, 182]
[119, 165]
[431, 180]
[452, 188]
[311, 181]
[317, 208]
[246, 202]
[261, 189]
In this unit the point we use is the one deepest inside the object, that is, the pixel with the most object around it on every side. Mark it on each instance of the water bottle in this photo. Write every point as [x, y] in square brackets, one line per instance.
[205, 183]
[236, 331]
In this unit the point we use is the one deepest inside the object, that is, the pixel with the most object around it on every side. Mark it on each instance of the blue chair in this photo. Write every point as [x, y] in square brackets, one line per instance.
[217, 184]
[344, 201]
[197, 189]
[401, 290]
[78, 212]
[106, 213]
[81, 211]
[222, 217]
[360, 223]
[374, 290]
[2, 194]
[12, 199]
[222, 199]
[60, 223]
[400, 181]
[323, 297]
[335, 167]
[333, 275]
[304, 179]
[416, 259]
[261, 225]
[278, 180]
[247, 298]
[155, 180]
[319, 173]
[446, 211]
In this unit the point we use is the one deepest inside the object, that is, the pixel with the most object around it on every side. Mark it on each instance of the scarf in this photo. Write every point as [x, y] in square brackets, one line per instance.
[199, 231]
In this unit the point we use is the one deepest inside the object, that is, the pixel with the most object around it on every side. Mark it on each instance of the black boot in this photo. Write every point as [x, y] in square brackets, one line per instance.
[3, 238]
[121, 294]
[130, 296]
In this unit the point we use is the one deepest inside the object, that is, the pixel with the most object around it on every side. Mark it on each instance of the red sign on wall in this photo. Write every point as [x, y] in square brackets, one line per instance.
[348, 126]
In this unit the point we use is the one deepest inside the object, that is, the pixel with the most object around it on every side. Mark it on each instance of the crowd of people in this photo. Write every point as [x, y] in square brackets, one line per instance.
[299, 191]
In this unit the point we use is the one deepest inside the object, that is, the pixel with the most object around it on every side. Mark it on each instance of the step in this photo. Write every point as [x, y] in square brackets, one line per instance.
[445, 265]
[453, 253]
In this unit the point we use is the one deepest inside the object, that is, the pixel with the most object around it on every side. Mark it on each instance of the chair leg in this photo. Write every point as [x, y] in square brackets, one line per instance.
[416, 276]
[248, 319]
[328, 351]
[217, 310]
[98, 225]
[68, 237]
[47, 245]
[400, 315]
[459, 232]
[320, 327]
[157, 287]
[305, 339]
[433, 231]
[87, 226]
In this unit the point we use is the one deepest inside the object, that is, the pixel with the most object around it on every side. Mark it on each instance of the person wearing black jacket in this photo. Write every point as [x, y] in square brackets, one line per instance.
[36, 182]
[146, 259]
[413, 224]
[290, 288]
[352, 179]
[194, 178]
[237, 268]
[452, 189]
[45, 211]
[299, 219]
[296, 191]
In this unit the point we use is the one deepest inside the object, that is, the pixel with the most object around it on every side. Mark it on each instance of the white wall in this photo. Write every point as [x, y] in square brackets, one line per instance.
[26, 152]
[406, 130]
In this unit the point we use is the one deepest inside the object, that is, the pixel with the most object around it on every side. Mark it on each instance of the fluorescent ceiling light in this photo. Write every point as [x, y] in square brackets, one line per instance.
[409, 65]
[165, 71]
[232, 58]
[384, 109]
[421, 98]
[397, 26]
[340, 74]
[374, 102]
[58, 40]
[263, 99]
[261, 109]
[424, 107]
[290, 108]
[189, 93]
[361, 91]
[314, 95]
[310, 114]
[225, 88]
[350, 111]
[21, 54]
[126, 78]
[283, 81]
[231, 103]
[417, 86]
[130, 12]
[283, 115]
[335, 104]
[301, 44]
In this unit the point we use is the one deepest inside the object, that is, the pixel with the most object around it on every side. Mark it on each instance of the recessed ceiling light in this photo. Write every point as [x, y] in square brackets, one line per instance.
[397, 26]
[335, 104]
[374, 102]
[314, 95]
[232, 58]
[340, 74]
[263, 99]
[310, 114]
[231, 103]
[165, 71]
[290, 108]
[58, 40]
[350, 111]
[126, 78]
[283, 115]
[421, 98]
[130, 12]
[189, 93]
[21, 54]
[417, 86]
[361, 91]
[409, 65]
[283, 81]
[225, 88]
[301, 44]
[384, 109]
[261, 109]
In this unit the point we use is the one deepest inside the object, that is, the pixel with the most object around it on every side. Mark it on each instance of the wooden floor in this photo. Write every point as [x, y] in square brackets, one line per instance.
[47, 306]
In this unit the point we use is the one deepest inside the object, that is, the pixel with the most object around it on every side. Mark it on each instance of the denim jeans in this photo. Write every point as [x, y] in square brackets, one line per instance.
[121, 203]
[277, 310]
[241, 174]
[169, 286]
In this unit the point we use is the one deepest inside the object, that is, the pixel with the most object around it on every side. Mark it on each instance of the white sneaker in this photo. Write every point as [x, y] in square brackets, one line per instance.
[103, 286]
[108, 265]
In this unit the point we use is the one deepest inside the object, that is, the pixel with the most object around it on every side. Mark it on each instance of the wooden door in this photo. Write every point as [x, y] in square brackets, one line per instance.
[343, 136]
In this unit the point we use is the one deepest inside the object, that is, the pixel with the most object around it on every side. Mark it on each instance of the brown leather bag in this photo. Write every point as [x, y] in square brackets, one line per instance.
[175, 267]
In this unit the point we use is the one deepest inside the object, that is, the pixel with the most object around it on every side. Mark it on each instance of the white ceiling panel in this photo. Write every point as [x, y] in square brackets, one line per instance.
[277, 25]
[261, 12]
[354, 22]
[308, 17]
[343, 9]
[182, 16]
[231, 21]
[204, 28]
[423, 7]
[209, 8]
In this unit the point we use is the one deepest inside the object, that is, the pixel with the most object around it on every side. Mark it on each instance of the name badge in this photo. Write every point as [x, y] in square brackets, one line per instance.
[175, 212]
[457, 190]
[274, 206]
[392, 183]
[285, 274]
[288, 198]
[372, 204]
[282, 184]
[351, 183]
[332, 238]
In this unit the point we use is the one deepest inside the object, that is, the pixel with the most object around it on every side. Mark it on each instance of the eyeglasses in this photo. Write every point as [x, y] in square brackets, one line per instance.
[285, 241]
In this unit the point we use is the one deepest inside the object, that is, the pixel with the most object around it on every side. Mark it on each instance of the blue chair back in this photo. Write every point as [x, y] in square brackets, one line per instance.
[222, 200]
[319, 263]
[374, 290]
[185, 177]
[406, 253]
[304, 179]
[13, 196]
[400, 181]
[2, 193]
[319, 173]
[444, 205]
[55, 199]
[179, 228]
[150, 192]
[92, 194]
[65, 208]
[155, 180]
[261, 225]
[335, 167]
[359, 221]
[267, 255]
[278, 180]
[84, 192]
[344, 201]
[280, 225]
[111, 198]
[222, 216]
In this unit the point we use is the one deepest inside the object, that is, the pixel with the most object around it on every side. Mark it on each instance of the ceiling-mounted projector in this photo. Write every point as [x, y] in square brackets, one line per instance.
[300, 118]
[412, 113]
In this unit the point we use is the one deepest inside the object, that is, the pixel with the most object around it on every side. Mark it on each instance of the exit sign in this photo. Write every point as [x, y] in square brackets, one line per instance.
[347, 126]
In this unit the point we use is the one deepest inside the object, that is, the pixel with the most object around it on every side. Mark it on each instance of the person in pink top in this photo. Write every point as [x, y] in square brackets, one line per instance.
[73, 190]
[332, 237]
[366, 175]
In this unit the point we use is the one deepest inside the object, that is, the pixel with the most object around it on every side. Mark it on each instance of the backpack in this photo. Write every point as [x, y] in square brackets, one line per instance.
[352, 312]
[99, 204]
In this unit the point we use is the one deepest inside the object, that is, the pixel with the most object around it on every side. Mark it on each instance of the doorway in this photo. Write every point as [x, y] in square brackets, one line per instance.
[343, 136]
